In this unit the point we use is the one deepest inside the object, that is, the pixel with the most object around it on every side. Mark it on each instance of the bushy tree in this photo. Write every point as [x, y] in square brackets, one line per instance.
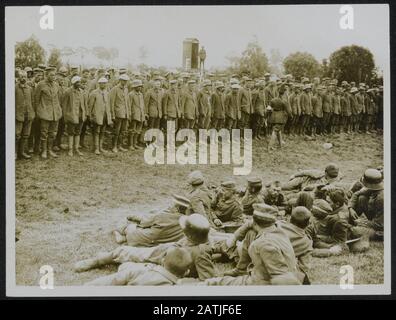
[301, 64]
[253, 62]
[275, 61]
[54, 58]
[29, 53]
[352, 63]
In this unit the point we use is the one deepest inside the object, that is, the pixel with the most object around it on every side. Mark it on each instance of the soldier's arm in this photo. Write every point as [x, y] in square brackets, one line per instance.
[112, 96]
[237, 213]
[32, 99]
[65, 99]
[182, 105]
[241, 232]
[147, 221]
[197, 206]
[204, 265]
[304, 262]
[146, 99]
[178, 106]
[354, 198]
[37, 96]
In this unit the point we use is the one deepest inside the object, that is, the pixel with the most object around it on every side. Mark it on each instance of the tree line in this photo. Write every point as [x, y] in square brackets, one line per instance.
[350, 63]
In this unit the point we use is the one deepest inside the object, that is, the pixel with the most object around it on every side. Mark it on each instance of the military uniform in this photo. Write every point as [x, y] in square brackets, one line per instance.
[317, 113]
[189, 108]
[171, 107]
[259, 111]
[154, 229]
[153, 105]
[272, 258]
[202, 266]
[218, 110]
[306, 111]
[346, 112]
[232, 110]
[204, 109]
[301, 243]
[120, 112]
[75, 112]
[245, 102]
[48, 110]
[100, 114]
[227, 210]
[295, 111]
[306, 178]
[138, 116]
[327, 106]
[137, 274]
[24, 115]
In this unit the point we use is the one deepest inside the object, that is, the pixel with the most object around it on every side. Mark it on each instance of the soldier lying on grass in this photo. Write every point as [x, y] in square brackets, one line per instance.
[196, 241]
[152, 230]
[174, 265]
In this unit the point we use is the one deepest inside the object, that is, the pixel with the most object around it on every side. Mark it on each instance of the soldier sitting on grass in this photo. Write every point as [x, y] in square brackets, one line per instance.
[273, 196]
[367, 204]
[252, 195]
[295, 231]
[151, 230]
[327, 230]
[271, 253]
[225, 204]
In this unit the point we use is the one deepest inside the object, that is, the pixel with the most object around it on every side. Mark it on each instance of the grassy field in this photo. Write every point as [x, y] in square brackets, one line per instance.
[67, 207]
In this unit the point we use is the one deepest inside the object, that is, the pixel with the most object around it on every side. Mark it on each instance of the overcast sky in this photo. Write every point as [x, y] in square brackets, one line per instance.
[223, 30]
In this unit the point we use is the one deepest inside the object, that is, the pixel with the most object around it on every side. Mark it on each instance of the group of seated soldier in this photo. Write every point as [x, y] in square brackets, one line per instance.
[268, 233]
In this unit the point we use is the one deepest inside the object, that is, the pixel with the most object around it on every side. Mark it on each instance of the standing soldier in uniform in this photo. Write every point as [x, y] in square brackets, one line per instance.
[46, 98]
[361, 103]
[335, 118]
[295, 108]
[259, 107]
[277, 118]
[138, 114]
[171, 104]
[327, 110]
[354, 108]
[245, 102]
[24, 114]
[218, 106]
[153, 104]
[202, 57]
[75, 113]
[345, 111]
[189, 105]
[232, 108]
[120, 112]
[380, 114]
[371, 110]
[63, 83]
[204, 106]
[317, 111]
[99, 113]
[34, 138]
[306, 109]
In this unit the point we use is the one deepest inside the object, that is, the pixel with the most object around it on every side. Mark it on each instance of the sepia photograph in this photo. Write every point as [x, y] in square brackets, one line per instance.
[197, 150]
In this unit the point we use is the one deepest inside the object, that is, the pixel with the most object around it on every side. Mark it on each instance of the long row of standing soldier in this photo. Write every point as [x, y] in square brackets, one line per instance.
[50, 103]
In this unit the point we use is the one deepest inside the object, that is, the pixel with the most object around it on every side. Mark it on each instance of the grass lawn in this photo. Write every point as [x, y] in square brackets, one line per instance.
[67, 207]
